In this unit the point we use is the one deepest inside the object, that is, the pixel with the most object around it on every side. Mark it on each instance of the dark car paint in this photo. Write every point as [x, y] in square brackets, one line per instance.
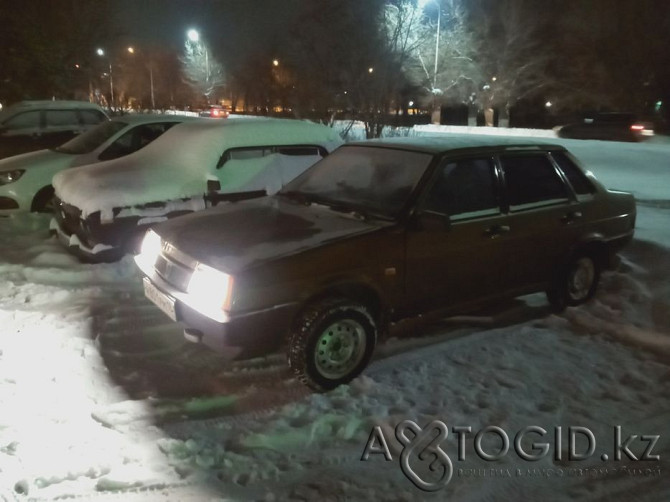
[399, 269]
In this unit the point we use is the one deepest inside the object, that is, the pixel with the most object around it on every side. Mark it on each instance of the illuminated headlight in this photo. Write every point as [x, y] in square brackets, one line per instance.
[210, 289]
[150, 249]
[7, 177]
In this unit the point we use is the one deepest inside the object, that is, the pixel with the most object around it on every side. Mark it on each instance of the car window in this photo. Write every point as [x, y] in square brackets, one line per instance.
[134, 139]
[91, 139]
[61, 118]
[246, 153]
[464, 188]
[531, 180]
[24, 120]
[92, 117]
[376, 180]
[580, 183]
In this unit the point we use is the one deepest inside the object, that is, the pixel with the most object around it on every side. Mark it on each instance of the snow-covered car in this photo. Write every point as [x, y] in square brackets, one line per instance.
[34, 125]
[25, 180]
[102, 211]
[380, 231]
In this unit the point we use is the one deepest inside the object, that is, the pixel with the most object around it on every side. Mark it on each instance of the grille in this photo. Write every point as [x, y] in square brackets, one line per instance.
[175, 267]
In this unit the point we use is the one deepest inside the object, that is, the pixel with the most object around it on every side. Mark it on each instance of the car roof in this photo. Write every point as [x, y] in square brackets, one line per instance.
[145, 118]
[47, 104]
[444, 143]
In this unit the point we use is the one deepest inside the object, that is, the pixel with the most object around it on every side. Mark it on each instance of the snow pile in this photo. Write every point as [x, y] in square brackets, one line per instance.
[101, 397]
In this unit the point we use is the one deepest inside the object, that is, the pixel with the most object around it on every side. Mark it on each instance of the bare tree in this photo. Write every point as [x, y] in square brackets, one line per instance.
[514, 60]
[201, 70]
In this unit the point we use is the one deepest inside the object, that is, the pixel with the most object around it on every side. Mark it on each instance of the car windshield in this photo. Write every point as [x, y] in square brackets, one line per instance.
[91, 139]
[371, 180]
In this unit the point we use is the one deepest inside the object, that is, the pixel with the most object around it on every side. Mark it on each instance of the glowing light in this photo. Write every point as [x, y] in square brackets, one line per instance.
[131, 50]
[371, 69]
[100, 52]
[548, 104]
[193, 35]
[275, 62]
[150, 249]
[210, 289]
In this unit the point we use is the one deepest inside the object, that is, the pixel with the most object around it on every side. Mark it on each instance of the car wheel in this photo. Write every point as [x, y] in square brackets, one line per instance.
[577, 282]
[43, 201]
[331, 343]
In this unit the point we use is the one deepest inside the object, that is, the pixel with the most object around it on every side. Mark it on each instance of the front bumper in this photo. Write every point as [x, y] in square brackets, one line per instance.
[237, 335]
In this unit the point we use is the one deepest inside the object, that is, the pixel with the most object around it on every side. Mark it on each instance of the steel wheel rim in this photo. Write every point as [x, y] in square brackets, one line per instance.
[581, 279]
[339, 349]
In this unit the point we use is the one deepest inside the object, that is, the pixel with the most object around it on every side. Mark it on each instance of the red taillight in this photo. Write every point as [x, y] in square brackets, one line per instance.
[214, 113]
[637, 127]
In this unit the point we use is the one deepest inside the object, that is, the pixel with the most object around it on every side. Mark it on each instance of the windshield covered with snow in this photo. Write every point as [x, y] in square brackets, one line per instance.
[374, 181]
[91, 139]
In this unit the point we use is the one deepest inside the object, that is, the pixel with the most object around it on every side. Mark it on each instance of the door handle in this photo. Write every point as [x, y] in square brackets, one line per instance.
[496, 231]
[571, 216]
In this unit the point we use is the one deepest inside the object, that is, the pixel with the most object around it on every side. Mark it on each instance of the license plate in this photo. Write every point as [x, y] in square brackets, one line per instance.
[162, 301]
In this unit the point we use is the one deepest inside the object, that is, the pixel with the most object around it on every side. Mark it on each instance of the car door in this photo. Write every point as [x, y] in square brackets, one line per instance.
[456, 246]
[543, 218]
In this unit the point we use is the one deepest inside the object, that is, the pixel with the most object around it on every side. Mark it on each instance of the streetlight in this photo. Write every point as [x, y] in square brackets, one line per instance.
[194, 37]
[131, 50]
[101, 53]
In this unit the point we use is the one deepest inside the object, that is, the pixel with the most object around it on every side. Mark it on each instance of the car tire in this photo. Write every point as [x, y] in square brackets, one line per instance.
[331, 343]
[576, 283]
[43, 200]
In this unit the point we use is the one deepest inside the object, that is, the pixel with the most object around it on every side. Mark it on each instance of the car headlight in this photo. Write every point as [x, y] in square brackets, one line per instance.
[150, 249]
[7, 177]
[210, 289]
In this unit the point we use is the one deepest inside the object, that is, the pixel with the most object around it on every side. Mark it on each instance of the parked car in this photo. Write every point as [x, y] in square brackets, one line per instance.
[608, 126]
[380, 231]
[35, 125]
[102, 210]
[25, 180]
[216, 112]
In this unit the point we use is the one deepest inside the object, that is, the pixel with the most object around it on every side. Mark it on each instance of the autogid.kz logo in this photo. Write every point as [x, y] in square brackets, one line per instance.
[425, 462]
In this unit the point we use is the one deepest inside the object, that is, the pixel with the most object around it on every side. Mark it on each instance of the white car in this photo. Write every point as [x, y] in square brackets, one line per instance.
[25, 180]
[104, 210]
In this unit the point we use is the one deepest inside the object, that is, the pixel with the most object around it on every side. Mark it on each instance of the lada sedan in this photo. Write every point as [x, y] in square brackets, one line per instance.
[380, 231]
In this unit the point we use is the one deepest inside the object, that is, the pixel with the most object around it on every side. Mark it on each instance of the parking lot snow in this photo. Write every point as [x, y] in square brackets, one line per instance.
[101, 396]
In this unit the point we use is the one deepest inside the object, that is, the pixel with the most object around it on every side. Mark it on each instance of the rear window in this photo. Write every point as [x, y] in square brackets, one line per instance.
[532, 180]
[580, 183]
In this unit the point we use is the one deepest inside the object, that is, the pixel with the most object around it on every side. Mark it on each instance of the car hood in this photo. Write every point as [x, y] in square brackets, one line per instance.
[234, 236]
[37, 160]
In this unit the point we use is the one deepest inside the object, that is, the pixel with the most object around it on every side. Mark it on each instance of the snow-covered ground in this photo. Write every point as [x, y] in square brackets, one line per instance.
[101, 398]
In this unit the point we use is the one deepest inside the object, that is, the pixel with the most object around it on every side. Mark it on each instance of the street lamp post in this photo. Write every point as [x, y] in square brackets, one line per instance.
[101, 52]
[150, 66]
[435, 118]
[194, 36]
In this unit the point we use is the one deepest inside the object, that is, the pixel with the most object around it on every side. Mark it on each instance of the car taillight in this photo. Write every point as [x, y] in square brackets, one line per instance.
[215, 113]
[637, 127]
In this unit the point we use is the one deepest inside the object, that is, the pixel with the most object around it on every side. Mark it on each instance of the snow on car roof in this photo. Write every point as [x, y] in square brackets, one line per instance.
[447, 142]
[143, 118]
[176, 165]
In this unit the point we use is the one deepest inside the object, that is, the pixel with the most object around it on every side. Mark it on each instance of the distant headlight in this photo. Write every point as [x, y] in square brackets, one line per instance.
[210, 289]
[7, 177]
[150, 249]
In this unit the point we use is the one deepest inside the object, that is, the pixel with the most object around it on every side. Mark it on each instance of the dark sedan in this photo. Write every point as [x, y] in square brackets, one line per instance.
[380, 231]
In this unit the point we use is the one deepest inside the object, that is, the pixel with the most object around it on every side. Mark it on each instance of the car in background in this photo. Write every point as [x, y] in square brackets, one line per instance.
[103, 210]
[378, 232]
[34, 125]
[216, 112]
[25, 180]
[612, 126]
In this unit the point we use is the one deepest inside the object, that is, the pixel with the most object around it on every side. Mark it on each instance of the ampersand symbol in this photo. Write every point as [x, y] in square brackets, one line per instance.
[420, 437]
